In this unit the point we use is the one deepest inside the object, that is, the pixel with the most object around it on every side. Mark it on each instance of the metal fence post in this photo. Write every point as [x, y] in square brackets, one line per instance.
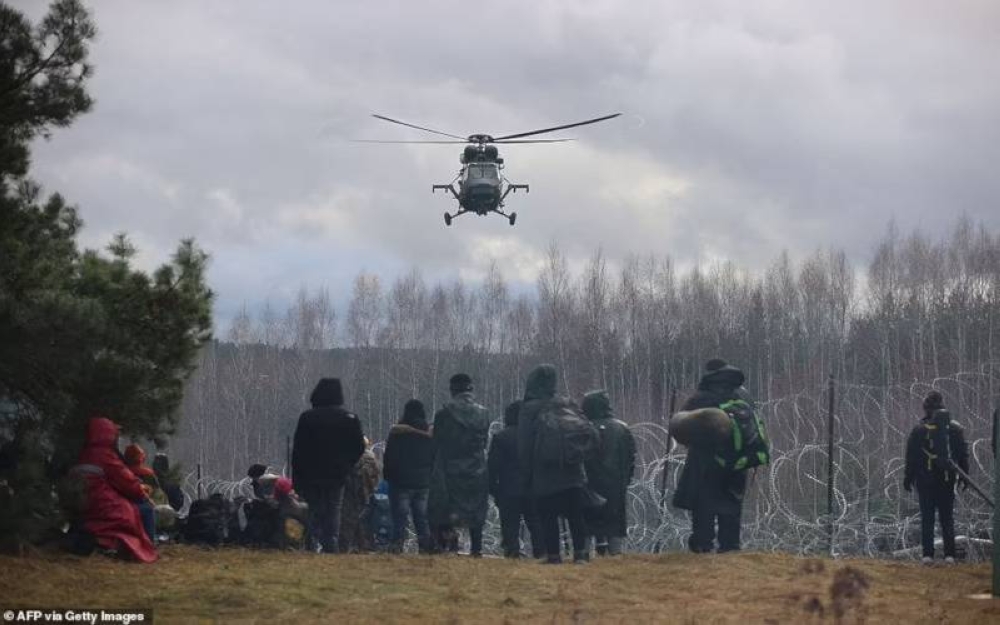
[829, 464]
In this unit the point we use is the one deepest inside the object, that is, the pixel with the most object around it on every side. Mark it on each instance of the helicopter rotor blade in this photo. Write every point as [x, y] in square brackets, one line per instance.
[531, 141]
[538, 132]
[437, 132]
[414, 141]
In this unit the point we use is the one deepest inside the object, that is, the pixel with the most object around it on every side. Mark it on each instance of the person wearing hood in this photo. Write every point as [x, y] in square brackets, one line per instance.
[459, 494]
[407, 464]
[111, 514]
[712, 493]
[934, 448]
[609, 474]
[327, 444]
[505, 486]
[556, 489]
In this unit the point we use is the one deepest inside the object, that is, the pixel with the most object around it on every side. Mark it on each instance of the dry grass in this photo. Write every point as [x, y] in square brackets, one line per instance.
[190, 584]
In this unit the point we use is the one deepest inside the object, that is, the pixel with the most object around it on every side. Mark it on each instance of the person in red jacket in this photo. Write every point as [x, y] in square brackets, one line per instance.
[110, 514]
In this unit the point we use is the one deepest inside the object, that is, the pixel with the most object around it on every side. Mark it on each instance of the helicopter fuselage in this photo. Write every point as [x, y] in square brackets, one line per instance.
[481, 185]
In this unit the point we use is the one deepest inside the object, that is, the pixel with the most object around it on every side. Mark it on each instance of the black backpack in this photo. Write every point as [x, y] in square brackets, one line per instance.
[936, 443]
[211, 521]
[564, 435]
[262, 523]
[748, 447]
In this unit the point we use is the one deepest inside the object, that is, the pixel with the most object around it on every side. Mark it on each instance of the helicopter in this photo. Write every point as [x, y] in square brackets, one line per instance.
[482, 187]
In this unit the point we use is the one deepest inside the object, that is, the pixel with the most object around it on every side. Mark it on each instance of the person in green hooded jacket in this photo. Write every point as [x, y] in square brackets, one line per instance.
[609, 474]
[459, 494]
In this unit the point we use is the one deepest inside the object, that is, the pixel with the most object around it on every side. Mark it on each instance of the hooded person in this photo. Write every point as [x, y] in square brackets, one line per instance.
[934, 448]
[609, 474]
[555, 489]
[358, 488]
[135, 460]
[407, 462]
[327, 445]
[712, 493]
[507, 491]
[113, 492]
[459, 494]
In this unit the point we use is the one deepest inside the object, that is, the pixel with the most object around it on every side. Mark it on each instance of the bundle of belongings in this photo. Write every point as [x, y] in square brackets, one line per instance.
[274, 517]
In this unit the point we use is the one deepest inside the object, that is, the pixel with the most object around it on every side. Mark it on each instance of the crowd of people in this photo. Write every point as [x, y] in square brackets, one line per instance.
[554, 459]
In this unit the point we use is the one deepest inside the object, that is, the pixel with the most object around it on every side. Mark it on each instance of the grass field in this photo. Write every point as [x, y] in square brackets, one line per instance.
[189, 584]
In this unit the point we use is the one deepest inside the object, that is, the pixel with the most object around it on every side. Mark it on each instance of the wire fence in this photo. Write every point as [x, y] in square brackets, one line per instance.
[785, 508]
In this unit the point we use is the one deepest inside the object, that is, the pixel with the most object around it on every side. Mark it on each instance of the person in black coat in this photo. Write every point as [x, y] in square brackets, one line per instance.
[505, 487]
[935, 446]
[556, 490]
[609, 474]
[406, 466]
[712, 493]
[328, 443]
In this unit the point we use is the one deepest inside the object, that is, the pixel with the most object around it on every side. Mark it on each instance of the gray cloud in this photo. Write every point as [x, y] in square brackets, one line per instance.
[749, 129]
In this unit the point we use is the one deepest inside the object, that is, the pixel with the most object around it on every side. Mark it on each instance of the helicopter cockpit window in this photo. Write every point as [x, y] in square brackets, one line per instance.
[483, 171]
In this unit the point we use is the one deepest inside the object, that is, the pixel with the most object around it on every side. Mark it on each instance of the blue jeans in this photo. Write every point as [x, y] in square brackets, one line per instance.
[325, 503]
[148, 515]
[406, 501]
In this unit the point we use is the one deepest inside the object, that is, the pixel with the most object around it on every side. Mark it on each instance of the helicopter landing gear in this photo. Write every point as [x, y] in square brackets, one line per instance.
[447, 219]
[512, 218]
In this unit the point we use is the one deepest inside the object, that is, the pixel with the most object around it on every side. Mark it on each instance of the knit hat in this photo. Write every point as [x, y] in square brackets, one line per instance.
[715, 364]
[414, 414]
[460, 383]
[933, 401]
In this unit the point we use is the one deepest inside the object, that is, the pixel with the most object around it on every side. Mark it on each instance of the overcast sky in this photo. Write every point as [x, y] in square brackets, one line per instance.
[748, 127]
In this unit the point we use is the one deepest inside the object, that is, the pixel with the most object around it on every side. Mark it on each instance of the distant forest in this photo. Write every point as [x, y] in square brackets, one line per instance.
[923, 308]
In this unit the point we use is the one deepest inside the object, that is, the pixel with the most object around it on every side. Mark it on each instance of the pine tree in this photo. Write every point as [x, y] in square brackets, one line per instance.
[81, 332]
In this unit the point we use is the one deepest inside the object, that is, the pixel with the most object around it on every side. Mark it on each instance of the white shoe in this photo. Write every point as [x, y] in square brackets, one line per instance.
[927, 560]
[949, 560]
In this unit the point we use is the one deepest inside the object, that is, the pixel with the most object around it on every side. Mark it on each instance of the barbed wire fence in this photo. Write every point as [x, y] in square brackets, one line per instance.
[785, 509]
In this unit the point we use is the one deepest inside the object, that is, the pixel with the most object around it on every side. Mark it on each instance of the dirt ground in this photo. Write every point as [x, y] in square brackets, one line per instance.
[190, 584]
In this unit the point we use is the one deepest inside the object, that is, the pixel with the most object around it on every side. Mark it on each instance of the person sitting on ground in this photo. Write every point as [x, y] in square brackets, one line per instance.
[111, 514]
[262, 514]
[135, 459]
[934, 449]
[507, 491]
[169, 482]
[262, 481]
[407, 463]
[293, 516]
[358, 489]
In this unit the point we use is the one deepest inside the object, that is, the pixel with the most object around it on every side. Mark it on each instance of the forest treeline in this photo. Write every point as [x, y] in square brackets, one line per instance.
[923, 307]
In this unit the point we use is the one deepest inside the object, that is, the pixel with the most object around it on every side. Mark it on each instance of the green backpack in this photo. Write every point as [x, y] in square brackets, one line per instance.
[748, 447]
